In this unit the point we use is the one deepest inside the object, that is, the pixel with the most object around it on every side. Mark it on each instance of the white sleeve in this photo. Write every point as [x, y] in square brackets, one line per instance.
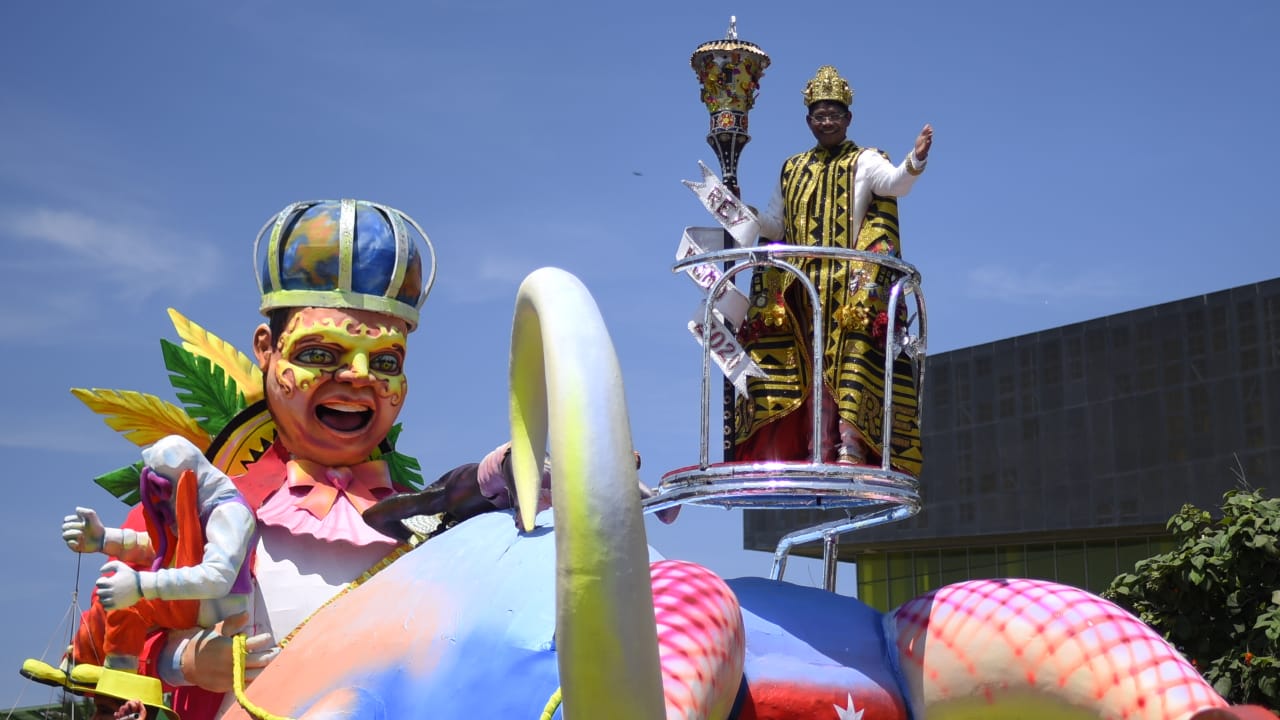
[884, 178]
[771, 224]
[228, 533]
[131, 546]
[169, 659]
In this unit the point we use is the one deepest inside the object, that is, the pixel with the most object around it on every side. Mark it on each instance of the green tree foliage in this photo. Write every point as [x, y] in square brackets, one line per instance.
[69, 709]
[1216, 595]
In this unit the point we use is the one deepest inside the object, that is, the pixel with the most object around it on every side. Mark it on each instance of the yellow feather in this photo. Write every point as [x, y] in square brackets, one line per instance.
[142, 418]
[235, 364]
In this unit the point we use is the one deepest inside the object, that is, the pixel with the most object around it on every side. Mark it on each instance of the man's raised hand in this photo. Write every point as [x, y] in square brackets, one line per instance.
[924, 142]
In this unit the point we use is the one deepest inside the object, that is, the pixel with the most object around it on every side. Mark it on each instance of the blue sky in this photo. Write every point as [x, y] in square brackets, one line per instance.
[1090, 157]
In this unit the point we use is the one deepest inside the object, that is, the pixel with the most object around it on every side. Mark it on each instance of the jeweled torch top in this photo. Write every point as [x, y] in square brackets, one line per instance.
[729, 71]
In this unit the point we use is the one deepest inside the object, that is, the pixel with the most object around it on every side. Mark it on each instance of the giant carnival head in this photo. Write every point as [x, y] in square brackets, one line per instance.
[828, 97]
[342, 284]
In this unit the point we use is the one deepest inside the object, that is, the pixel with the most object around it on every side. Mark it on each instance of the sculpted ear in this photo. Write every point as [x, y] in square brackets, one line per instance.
[262, 345]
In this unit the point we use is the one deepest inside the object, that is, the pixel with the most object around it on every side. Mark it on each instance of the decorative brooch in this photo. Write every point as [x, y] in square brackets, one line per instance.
[852, 317]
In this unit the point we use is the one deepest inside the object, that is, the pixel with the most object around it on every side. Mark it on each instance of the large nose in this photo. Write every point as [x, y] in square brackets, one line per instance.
[357, 373]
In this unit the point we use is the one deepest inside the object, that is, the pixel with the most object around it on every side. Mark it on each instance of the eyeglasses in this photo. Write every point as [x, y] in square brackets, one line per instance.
[828, 117]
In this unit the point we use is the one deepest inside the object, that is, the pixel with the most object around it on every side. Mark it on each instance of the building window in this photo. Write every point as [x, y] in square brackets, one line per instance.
[886, 580]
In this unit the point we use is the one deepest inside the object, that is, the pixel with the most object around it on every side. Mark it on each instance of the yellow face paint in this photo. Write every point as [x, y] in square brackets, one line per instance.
[346, 350]
[335, 382]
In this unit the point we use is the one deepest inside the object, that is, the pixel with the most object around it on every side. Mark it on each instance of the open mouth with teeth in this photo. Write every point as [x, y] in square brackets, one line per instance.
[344, 417]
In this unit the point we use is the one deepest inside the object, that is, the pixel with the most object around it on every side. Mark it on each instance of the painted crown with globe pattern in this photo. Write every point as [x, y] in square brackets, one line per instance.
[344, 254]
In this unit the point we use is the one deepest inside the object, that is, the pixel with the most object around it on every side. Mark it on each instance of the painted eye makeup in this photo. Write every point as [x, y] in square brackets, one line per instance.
[385, 363]
[314, 356]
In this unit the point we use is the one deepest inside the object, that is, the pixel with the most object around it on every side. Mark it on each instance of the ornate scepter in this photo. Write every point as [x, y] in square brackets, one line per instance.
[729, 72]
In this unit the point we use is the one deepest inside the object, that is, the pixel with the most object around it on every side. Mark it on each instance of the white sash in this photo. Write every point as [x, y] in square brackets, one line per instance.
[730, 307]
[727, 209]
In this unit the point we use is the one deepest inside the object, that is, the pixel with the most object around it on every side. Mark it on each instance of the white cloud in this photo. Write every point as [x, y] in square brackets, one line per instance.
[133, 261]
[504, 269]
[487, 272]
[487, 278]
[28, 438]
[46, 318]
[1044, 284]
[61, 425]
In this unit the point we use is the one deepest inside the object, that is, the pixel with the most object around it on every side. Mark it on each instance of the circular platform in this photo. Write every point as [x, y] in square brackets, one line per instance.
[789, 486]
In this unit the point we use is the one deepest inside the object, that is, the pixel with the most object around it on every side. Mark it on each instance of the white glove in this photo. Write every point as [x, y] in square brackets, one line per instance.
[120, 589]
[84, 532]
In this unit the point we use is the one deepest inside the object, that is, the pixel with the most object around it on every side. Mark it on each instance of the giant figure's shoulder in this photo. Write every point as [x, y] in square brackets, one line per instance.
[263, 476]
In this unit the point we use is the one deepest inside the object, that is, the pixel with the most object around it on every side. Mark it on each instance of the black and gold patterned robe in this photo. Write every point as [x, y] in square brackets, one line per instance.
[817, 193]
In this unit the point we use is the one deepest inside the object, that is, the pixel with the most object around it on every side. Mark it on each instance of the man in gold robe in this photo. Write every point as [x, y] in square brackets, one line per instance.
[835, 194]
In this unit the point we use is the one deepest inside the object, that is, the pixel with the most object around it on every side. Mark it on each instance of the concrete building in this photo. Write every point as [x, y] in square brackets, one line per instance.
[1061, 454]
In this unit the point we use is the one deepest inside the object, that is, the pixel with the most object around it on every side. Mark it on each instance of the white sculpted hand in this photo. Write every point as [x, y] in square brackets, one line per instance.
[118, 587]
[83, 532]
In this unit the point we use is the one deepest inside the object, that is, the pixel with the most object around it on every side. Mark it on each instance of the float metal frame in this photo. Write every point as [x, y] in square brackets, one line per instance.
[869, 495]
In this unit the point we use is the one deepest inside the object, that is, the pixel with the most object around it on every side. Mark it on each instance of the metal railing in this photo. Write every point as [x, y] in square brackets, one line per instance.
[869, 495]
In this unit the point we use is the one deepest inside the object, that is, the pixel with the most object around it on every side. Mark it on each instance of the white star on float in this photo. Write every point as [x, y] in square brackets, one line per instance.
[849, 712]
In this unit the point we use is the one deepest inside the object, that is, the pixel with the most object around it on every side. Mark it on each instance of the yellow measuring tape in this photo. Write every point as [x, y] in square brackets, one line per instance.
[238, 653]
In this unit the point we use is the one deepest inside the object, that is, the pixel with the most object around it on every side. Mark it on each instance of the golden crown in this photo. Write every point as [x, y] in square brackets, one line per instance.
[828, 85]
